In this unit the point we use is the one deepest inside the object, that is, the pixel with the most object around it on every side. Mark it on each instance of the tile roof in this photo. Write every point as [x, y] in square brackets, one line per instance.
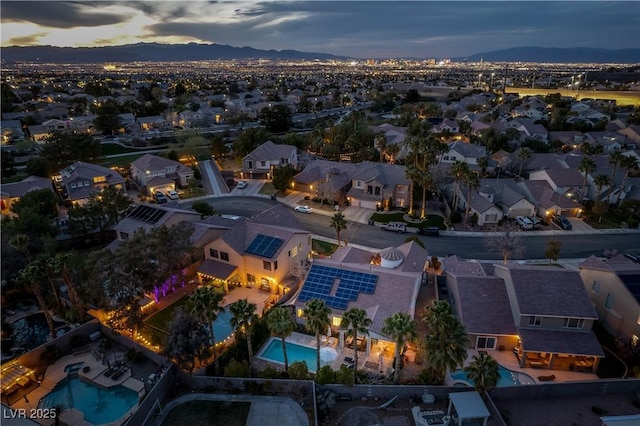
[217, 269]
[31, 183]
[271, 151]
[564, 177]
[549, 291]
[468, 150]
[560, 342]
[155, 162]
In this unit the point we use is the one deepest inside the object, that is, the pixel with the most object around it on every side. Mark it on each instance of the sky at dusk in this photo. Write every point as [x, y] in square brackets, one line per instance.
[353, 28]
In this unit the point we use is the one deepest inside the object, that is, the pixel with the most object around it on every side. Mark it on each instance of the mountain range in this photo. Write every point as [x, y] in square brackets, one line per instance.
[155, 52]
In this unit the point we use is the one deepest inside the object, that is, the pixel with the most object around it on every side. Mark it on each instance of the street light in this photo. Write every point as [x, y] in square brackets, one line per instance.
[491, 86]
[479, 77]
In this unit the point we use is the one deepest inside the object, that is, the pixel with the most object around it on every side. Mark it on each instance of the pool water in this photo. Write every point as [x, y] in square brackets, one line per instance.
[98, 405]
[72, 368]
[507, 378]
[273, 352]
[32, 331]
[222, 326]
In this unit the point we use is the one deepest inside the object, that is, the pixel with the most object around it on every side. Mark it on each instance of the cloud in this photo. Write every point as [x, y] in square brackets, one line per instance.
[27, 40]
[58, 14]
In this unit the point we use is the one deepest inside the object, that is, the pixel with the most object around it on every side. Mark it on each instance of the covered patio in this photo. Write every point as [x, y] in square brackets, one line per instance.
[467, 407]
[217, 274]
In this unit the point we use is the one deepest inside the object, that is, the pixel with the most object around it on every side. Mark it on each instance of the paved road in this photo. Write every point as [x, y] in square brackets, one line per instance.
[573, 245]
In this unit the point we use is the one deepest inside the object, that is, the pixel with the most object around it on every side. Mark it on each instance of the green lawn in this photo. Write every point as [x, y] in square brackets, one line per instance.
[113, 149]
[322, 247]
[268, 189]
[162, 319]
[204, 413]
[610, 220]
[431, 220]
[189, 193]
[120, 161]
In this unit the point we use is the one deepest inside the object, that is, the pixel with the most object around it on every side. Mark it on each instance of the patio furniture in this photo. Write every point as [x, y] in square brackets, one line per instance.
[550, 378]
[348, 359]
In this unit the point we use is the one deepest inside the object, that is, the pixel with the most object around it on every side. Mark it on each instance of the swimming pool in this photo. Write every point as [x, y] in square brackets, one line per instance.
[32, 331]
[98, 405]
[507, 378]
[272, 351]
[222, 326]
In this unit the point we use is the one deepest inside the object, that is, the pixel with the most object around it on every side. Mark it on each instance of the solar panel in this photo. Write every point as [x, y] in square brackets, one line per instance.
[319, 284]
[147, 214]
[264, 246]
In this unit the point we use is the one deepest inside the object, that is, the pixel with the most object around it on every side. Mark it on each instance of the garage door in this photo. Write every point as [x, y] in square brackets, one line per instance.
[368, 204]
[521, 212]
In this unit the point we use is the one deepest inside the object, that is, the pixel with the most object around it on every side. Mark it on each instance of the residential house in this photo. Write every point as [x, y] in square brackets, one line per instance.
[260, 162]
[153, 123]
[38, 132]
[379, 185]
[547, 201]
[81, 179]
[11, 192]
[11, 131]
[481, 205]
[395, 136]
[563, 181]
[327, 179]
[160, 174]
[613, 286]
[380, 283]
[467, 153]
[261, 251]
[507, 195]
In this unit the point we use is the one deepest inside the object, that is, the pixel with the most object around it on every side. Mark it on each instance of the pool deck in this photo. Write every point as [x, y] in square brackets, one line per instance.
[56, 372]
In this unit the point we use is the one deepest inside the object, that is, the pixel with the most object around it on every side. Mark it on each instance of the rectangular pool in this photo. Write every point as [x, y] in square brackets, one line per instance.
[272, 351]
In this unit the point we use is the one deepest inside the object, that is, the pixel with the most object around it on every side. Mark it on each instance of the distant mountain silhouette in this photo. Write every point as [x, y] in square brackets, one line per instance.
[148, 52]
[558, 55]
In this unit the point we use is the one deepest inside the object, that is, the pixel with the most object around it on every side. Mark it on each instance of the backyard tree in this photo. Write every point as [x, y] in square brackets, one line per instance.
[283, 176]
[32, 276]
[250, 139]
[108, 118]
[276, 118]
[243, 314]
[446, 341]
[281, 324]
[205, 306]
[401, 328]
[205, 209]
[187, 341]
[484, 372]
[552, 252]
[65, 148]
[317, 313]
[356, 322]
[508, 243]
[35, 211]
[339, 223]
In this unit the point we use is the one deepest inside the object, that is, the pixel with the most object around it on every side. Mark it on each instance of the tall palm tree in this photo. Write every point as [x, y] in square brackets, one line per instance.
[401, 328]
[523, 155]
[601, 181]
[32, 275]
[412, 173]
[483, 163]
[317, 314]
[46, 263]
[356, 322]
[339, 223]
[458, 170]
[281, 324]
[628, 163]
[242, 315]
[614, 159]
[204, 305]
[472, 181]
[484, 372]
[587, 165]
[446, 341]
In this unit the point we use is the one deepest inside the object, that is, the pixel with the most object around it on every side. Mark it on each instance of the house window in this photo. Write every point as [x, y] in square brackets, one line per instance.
[249, 164]
[377, 190]
[336, 321]
[595, 288]
[263, 164]
[445, 158]
[369, 190]
[86, 183]
[300, 313]
[486, 342]
[358, 184]
[266, 265]
[251, 278]
[608, 302]
[124, 236]
[224, 256]
[73, 185]
[275, 265]
[573, 323]
[535, 321]
[213, 253]
[294, 251]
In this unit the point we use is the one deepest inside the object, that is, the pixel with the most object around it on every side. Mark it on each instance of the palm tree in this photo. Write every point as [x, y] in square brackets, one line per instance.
[281, 324]
[317, 314]
[32, 275]
[523, 155]
[58, 409]
[20, 243]
[339, 223]
[614, 159]
[587, 165]
[412, 173]
[628, 163]
[242, 315]
[204, 305]
[472, 181]
[401, 328]
[61, 264]
[447, 341]
[458, 170]
[484, 372]
[356, 321]
[601, 180]
[483, 163]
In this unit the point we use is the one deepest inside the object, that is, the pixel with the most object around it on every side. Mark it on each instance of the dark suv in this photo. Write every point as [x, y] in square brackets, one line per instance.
[429, 230]
[562, 222]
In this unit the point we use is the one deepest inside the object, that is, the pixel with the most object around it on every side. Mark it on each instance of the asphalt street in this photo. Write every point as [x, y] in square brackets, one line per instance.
[573, 246]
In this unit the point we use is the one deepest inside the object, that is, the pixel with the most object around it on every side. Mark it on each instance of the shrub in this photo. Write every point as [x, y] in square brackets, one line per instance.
[456, 217]
[237, 369]
[344, 376]
[325, 375]
[269, 373]
[299, 371]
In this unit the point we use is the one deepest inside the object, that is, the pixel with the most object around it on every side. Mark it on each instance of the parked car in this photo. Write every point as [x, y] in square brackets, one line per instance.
[242, 184]
[534, 220]
[173, 195]
[429, 230]
[160, 198]
[399, 227]
[524, 222]
[303, 209]
[562, 222]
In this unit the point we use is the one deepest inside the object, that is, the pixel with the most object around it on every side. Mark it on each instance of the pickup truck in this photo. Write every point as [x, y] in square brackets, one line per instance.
[399, 227]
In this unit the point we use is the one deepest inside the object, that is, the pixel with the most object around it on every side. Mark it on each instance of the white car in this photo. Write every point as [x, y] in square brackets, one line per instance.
[303, 209]
[173, 195]
[242, 184]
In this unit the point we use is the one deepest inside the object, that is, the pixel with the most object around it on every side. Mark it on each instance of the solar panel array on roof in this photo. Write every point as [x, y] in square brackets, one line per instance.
[264, 246]
[320, 280]
[147, 214]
